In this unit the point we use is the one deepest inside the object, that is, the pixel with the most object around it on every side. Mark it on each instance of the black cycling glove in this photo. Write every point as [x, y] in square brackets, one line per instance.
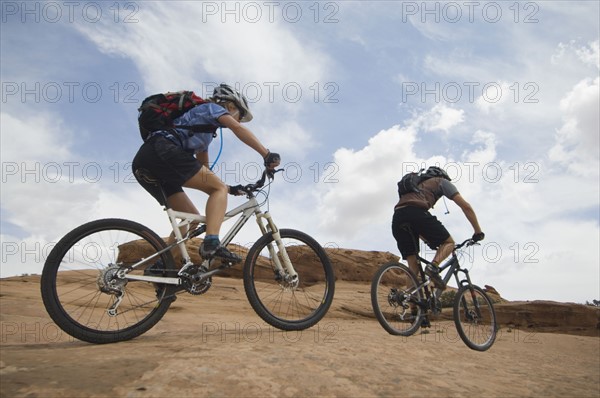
[478, 236]
[272, 160]
[236, 190]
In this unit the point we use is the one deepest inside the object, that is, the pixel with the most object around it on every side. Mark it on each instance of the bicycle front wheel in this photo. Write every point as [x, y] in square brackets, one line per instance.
[85, 296]
[394, 297]
[285, 304]
[475, 317]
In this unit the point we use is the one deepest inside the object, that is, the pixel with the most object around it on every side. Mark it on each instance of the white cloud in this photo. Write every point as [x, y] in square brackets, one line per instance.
[41, 137]
[590, 55]
[574, 52]
[274, 67]
[577, 144]
[168, 55]
[484, 154]
[493, 96]
[442, 117]
[290, 138]
[369, 175]
[44, 183]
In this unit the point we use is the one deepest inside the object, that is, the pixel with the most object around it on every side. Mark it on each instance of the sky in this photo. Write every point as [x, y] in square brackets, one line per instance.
[352, 94]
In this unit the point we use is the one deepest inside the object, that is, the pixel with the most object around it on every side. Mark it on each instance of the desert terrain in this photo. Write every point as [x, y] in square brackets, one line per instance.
[214, 345]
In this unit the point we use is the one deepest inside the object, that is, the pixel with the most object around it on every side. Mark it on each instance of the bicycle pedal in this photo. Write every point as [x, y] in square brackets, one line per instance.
[425, 323]
[226, 264]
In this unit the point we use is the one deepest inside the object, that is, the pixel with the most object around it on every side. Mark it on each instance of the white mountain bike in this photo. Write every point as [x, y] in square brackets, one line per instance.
[96, 286]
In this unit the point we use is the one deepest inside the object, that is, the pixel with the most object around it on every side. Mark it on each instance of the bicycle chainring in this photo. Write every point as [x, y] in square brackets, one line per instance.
[192, 281]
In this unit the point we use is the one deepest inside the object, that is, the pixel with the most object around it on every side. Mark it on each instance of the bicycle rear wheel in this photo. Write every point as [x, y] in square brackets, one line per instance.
[280, 303]
[475, 318]
[80, 285]
[394, 295]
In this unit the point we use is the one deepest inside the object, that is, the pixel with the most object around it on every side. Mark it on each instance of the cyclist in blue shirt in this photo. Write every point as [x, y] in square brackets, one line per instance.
[179, 159]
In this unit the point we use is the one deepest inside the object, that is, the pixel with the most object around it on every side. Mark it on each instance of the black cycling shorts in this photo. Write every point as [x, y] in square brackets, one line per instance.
[422, 224]
[168, 163]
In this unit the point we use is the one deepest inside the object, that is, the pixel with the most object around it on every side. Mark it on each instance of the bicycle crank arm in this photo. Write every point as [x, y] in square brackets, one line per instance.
[154, 279]
[208, 274]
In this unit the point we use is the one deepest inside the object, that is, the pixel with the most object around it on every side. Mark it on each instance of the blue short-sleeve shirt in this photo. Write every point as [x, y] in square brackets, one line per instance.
[205, 114]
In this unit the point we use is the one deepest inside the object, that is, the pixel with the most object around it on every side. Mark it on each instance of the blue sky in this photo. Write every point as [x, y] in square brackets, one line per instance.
[504, 95]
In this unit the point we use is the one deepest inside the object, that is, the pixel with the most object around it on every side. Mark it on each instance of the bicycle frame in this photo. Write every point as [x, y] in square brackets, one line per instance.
[453, 267]
[180, 219]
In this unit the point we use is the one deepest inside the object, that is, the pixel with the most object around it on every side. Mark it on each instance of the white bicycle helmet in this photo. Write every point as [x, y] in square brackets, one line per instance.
[225, 93]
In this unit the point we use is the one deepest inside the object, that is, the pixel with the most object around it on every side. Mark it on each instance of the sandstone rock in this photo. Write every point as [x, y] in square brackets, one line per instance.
[548, 315]
[490, 290]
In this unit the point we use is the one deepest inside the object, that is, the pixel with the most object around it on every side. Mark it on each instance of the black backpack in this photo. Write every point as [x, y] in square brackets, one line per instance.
[410, 181]
[158, 111]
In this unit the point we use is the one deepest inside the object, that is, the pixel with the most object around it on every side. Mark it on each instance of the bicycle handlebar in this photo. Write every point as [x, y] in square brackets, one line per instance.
[249, 189]
[468, 242]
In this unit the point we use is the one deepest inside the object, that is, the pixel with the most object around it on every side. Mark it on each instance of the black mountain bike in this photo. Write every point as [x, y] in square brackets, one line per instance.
[402, 301]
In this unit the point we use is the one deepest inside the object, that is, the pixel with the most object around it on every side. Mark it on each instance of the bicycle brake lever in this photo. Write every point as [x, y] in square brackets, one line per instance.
[271, 173]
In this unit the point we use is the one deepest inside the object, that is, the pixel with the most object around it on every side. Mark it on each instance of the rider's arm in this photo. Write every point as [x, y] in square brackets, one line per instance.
[244, 134]
[468, 210]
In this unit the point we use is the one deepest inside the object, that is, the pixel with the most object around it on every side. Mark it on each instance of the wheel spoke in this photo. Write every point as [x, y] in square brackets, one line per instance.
[393, 296]
[475, 318]
[282, 302]
[80, 282]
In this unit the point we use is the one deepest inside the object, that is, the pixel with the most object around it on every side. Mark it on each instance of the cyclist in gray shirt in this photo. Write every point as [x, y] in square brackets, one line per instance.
[413, 210]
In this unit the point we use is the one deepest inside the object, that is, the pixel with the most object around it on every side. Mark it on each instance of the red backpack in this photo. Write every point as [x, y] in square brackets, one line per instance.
[158, 111]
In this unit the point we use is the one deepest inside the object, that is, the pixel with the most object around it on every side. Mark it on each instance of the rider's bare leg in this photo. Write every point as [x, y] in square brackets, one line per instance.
[443, 251]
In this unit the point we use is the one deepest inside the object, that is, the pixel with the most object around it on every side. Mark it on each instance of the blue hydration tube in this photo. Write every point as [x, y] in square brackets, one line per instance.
[220, 149]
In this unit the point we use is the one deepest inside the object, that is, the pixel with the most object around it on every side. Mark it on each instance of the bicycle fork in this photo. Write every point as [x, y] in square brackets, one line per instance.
[472, 315]
[281, 261]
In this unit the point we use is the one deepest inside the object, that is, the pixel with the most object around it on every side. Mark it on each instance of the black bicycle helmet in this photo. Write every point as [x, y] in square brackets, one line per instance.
[435, 171]
[225, 93]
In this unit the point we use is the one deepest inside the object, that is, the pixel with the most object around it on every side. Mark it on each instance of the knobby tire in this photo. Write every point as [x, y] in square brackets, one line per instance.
[285, 307]
[389, 284]
[475, 317]
[71, 282]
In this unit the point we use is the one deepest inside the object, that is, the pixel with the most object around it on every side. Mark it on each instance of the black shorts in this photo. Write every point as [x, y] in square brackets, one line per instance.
[168, 163]
[422, 224]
